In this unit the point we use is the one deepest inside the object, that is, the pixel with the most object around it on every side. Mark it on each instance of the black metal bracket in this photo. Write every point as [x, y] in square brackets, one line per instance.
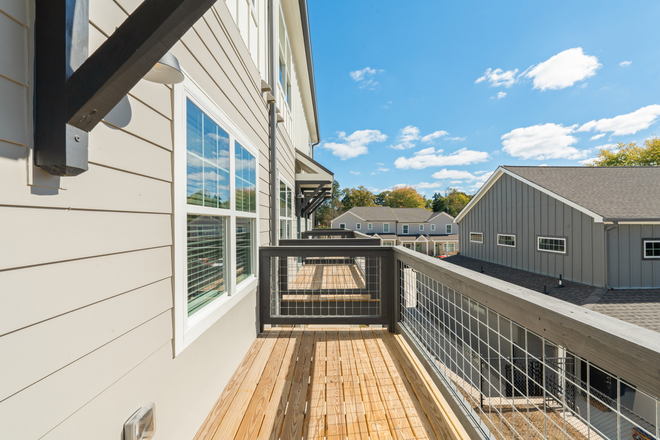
[74, 92]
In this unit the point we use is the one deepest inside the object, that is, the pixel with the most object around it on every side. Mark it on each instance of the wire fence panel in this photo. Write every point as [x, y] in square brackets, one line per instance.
[513, 382]
[315, 282]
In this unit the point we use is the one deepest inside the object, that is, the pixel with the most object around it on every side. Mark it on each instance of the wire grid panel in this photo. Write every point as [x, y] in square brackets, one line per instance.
[515, 382]
[322, 286]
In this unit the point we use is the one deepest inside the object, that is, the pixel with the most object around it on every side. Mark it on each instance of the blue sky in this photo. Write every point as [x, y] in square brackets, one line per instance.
[410, 92]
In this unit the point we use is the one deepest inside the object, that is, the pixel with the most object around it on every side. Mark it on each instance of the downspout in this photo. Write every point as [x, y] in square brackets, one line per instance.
[272, 125]
[607, 254]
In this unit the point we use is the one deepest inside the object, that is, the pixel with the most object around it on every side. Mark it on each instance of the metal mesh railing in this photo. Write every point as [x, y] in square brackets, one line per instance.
[513, 382]
[311, 284]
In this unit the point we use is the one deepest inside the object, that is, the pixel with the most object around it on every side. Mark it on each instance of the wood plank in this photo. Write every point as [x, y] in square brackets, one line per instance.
[335, 396]
[222, 405]
[356, 422]
[315, 417]
[234, 416]
[274, 414]
[254, 414]
[295, 413]
[396, 414]
[373, 407]
[444, 422]
[418, 420]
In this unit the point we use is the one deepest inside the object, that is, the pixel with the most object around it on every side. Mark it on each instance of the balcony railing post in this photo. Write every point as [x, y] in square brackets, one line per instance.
[263, 298]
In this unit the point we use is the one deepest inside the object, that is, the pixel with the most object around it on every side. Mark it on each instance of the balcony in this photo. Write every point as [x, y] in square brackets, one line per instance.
[464, 355]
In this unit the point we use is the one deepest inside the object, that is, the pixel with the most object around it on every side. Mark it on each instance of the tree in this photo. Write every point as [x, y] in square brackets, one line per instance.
[330, 209]
[455, 201]
[438, 203]
[404, 197]
[380, 198]
[428, 204]
[630, 155]
[359, 196]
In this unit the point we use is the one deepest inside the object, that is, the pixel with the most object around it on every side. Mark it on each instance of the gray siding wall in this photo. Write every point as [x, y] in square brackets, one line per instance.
[512, 207]
[441, 223]
[626, 266]
[351, 221]
[86, 288]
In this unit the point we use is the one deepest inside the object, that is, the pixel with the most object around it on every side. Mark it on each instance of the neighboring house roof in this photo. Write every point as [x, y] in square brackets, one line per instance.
[387, 237]
[387, 214]
[452, 237]
[438, 214]
[637, 306]
[374, 213]
[412, 215]
[605, 193]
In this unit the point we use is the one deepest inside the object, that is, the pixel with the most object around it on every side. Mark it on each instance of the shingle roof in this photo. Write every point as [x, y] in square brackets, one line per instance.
[615, 193]
[385, 213]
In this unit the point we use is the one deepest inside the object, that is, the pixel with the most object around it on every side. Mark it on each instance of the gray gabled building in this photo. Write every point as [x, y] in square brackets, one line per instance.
[592, 225]
[433, 233]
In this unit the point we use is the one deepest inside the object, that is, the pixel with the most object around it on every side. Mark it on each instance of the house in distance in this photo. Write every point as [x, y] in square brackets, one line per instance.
[432, 233]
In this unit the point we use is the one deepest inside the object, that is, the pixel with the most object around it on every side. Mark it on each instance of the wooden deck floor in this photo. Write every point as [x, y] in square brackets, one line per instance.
[333, 384]
[328, 276]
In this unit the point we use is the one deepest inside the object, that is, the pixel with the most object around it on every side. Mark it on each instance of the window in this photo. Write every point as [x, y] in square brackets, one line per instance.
[449, 229]
[506, 240]
[651, 248]
[551, 244]
[421, 227]
[386, 227]
[432, 227]
[286, 211]
[405, 229]
[215, 212]
[370, 226]
[358, 226]
[285, 61]
[388, 243]
[450, 247]
[408, 245]
[476, 237]
[342, 225]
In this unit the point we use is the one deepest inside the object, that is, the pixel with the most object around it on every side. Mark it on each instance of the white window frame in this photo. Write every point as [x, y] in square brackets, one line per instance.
[187, 329]
[342, 225]
[370, 226]
[474, 241]
[388, 241]
[432, 226]
[405, 229]
[358, 226]
[448, 228]
[538, 244]
[293, 207]
[284, 50]
[515, 240]
[421, 227]
[386, 227]
[651, 240]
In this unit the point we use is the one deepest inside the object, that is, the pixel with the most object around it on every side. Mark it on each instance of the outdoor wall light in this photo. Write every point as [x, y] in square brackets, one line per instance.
[300, 195]
[166, 71]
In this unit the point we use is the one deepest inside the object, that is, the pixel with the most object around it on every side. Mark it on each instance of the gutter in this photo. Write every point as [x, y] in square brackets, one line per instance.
[272, 126]
[304, 18]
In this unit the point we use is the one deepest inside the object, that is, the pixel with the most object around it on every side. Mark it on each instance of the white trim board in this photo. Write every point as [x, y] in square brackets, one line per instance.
[499, 172]
[347, 212]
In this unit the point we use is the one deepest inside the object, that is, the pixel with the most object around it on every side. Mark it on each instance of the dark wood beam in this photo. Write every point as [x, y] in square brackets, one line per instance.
[306, 202]
[316, 204]
[123, 59]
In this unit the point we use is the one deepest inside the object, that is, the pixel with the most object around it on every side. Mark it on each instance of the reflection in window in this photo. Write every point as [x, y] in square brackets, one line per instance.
[207, 148]
[207, 242]
[244, 238]
[246, 181]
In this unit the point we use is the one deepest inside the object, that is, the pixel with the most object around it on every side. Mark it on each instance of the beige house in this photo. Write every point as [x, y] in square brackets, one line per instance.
[128, 270]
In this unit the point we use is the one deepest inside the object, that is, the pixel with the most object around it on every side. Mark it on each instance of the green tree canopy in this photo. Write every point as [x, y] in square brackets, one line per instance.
[359, 196]
[452, 203]
[630, 154]
[380, 198]
[405, 197]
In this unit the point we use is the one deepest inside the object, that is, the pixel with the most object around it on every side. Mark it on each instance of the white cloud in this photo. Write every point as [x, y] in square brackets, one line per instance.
[548, 141]
[499, 77]
[433, 136]
[457, 139]
[355, 144]
[357, 173]
[598, 136]
[429, 157]
[563, 70]
[408, 135]
[501, 95]
[365, 78]
[629, 123]
[625, 63]
[381, 164]
[380, 170]
[587, 161]
[453, 174]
